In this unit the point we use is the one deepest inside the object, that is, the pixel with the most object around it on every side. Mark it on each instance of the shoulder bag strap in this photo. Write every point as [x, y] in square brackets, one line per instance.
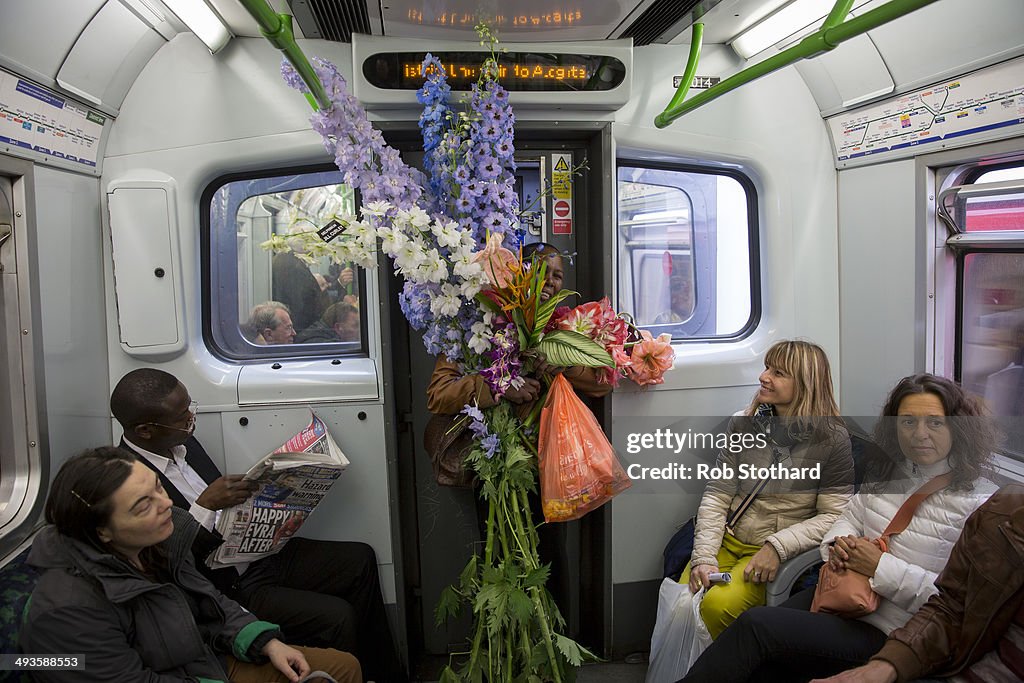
[745, 504]
[906, 512]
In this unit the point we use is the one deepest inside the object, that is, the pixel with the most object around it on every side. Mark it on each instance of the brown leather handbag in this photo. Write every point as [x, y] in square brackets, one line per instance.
[847, 593]
[448, 440]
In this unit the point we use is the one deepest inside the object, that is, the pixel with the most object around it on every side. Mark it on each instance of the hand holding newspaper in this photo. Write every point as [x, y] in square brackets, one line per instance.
[290, 482]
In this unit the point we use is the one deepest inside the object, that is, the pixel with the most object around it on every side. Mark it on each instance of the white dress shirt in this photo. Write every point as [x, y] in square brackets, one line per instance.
[184, 478]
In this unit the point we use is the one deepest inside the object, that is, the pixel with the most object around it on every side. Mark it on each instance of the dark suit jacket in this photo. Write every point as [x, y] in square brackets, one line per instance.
[197, 459]
[226, 579]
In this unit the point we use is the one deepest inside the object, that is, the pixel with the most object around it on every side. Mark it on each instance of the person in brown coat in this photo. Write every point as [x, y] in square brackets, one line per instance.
[450, 389]
[973, 628]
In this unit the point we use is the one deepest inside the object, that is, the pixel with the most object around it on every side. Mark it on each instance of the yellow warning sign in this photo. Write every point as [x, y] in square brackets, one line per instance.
[561, 176]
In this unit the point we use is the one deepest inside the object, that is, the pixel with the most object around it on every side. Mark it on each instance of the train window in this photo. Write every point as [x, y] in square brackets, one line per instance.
[990, 353]
[288, 304]
[687, 250]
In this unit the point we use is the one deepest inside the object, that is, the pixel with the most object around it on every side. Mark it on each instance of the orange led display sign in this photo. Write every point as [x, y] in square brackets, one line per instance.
[517, 71]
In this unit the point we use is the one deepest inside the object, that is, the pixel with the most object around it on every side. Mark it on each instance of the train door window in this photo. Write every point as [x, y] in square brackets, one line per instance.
[989, 215]
[687, 250]
[292, 303]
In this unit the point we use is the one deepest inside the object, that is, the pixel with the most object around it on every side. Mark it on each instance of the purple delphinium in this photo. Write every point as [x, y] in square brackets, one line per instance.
[488, 441]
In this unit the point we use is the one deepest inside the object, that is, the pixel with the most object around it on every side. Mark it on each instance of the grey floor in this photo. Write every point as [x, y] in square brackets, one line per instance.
[617, 671]
[612, 671]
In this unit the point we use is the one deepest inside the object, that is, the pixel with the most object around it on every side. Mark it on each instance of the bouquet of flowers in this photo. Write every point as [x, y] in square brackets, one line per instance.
[452, 237]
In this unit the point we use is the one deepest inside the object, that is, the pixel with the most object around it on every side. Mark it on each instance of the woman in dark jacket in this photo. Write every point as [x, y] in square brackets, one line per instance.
[120, 589]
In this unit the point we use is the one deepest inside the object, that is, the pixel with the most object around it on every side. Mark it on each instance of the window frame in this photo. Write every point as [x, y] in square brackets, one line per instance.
[700, 248]
[262, 354]
[961, 244]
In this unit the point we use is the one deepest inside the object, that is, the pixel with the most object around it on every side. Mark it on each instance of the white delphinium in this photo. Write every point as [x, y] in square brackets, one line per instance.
[447, 233]
[378, 208]
[392, 239]
[482, 333]
[433, 268]
[447, 302]
[408, 259]
[418, 218]
[472, 285]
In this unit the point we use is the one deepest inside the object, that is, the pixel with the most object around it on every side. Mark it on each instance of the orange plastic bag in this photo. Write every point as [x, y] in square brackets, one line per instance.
[579, 471]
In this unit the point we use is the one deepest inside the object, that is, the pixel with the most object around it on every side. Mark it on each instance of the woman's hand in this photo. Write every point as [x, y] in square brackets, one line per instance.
[763, 565]
[875, 671]
[529, 391]
[856, 554]
[699, 576]
[287, 660]
[836, 556]
[543, 369]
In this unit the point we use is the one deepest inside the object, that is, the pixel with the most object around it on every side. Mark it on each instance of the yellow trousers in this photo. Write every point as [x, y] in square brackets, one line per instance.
[724, 602]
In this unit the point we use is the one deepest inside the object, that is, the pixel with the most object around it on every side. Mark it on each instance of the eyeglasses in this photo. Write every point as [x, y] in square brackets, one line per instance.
[193, 409]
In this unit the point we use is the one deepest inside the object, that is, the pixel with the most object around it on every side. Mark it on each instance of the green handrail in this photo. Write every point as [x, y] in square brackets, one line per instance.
[832, 33]
[696, 41]
[277, 28]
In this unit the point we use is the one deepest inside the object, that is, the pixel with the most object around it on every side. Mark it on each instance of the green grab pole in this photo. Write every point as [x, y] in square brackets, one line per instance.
[696, 40]
[277, 28]
[823, 40]
[838, 13]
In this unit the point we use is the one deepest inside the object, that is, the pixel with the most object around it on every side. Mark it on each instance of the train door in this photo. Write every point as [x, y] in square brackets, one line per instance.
[564, 189]
[21, 449]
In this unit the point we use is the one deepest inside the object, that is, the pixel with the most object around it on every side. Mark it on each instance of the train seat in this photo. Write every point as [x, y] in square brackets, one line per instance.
[17, 580]
[801, 572]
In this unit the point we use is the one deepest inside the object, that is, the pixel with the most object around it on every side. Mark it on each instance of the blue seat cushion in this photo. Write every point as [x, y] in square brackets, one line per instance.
[17, 580]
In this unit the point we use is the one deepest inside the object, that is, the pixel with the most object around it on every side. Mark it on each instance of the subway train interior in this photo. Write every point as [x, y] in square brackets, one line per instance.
[861, 187]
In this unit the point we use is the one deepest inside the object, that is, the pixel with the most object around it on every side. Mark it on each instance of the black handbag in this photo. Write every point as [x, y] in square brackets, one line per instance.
[448, 440]
[679, 549]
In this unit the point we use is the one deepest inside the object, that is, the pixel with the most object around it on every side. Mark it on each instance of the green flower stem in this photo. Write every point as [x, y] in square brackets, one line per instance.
[489, 555]
[542, 616]
[545, 630]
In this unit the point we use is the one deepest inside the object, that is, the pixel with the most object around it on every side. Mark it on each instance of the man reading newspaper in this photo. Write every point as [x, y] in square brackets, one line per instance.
[322, 593]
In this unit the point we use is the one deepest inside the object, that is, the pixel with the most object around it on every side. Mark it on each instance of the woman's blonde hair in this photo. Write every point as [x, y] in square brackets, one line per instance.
[807, 364]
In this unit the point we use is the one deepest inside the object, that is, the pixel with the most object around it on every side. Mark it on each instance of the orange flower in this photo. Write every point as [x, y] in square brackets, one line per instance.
[651, 359]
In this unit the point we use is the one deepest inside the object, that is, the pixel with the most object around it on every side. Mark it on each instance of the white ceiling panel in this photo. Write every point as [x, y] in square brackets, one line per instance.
[108, 56]
[950, 38]
[34, 38]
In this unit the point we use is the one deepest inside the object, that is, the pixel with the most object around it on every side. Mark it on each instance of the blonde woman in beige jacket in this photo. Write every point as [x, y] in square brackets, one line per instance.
[795, 418]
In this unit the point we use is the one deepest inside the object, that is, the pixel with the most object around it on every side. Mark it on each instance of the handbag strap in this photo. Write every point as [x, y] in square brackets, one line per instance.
[906, 512]
[734, 516]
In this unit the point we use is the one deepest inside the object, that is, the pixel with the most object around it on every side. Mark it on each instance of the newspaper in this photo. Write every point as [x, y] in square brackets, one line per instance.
[291, 482]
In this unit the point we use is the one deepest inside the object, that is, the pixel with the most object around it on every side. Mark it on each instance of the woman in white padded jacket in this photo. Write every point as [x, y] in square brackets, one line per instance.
[929, 427]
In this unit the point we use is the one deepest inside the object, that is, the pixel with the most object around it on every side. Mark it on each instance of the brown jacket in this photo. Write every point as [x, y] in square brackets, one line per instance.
[450, 389]
[980, 591]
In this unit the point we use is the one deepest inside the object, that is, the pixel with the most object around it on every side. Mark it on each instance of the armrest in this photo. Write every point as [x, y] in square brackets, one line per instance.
[789, 572]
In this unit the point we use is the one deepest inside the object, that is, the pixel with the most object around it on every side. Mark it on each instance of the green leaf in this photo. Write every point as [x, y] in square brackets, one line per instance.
[568, 349]
[447, 606]
[537, 577]
[570, 649]
[468, 573]
[520, 606]
[448, 676]
[544, 312]
[520, 321]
